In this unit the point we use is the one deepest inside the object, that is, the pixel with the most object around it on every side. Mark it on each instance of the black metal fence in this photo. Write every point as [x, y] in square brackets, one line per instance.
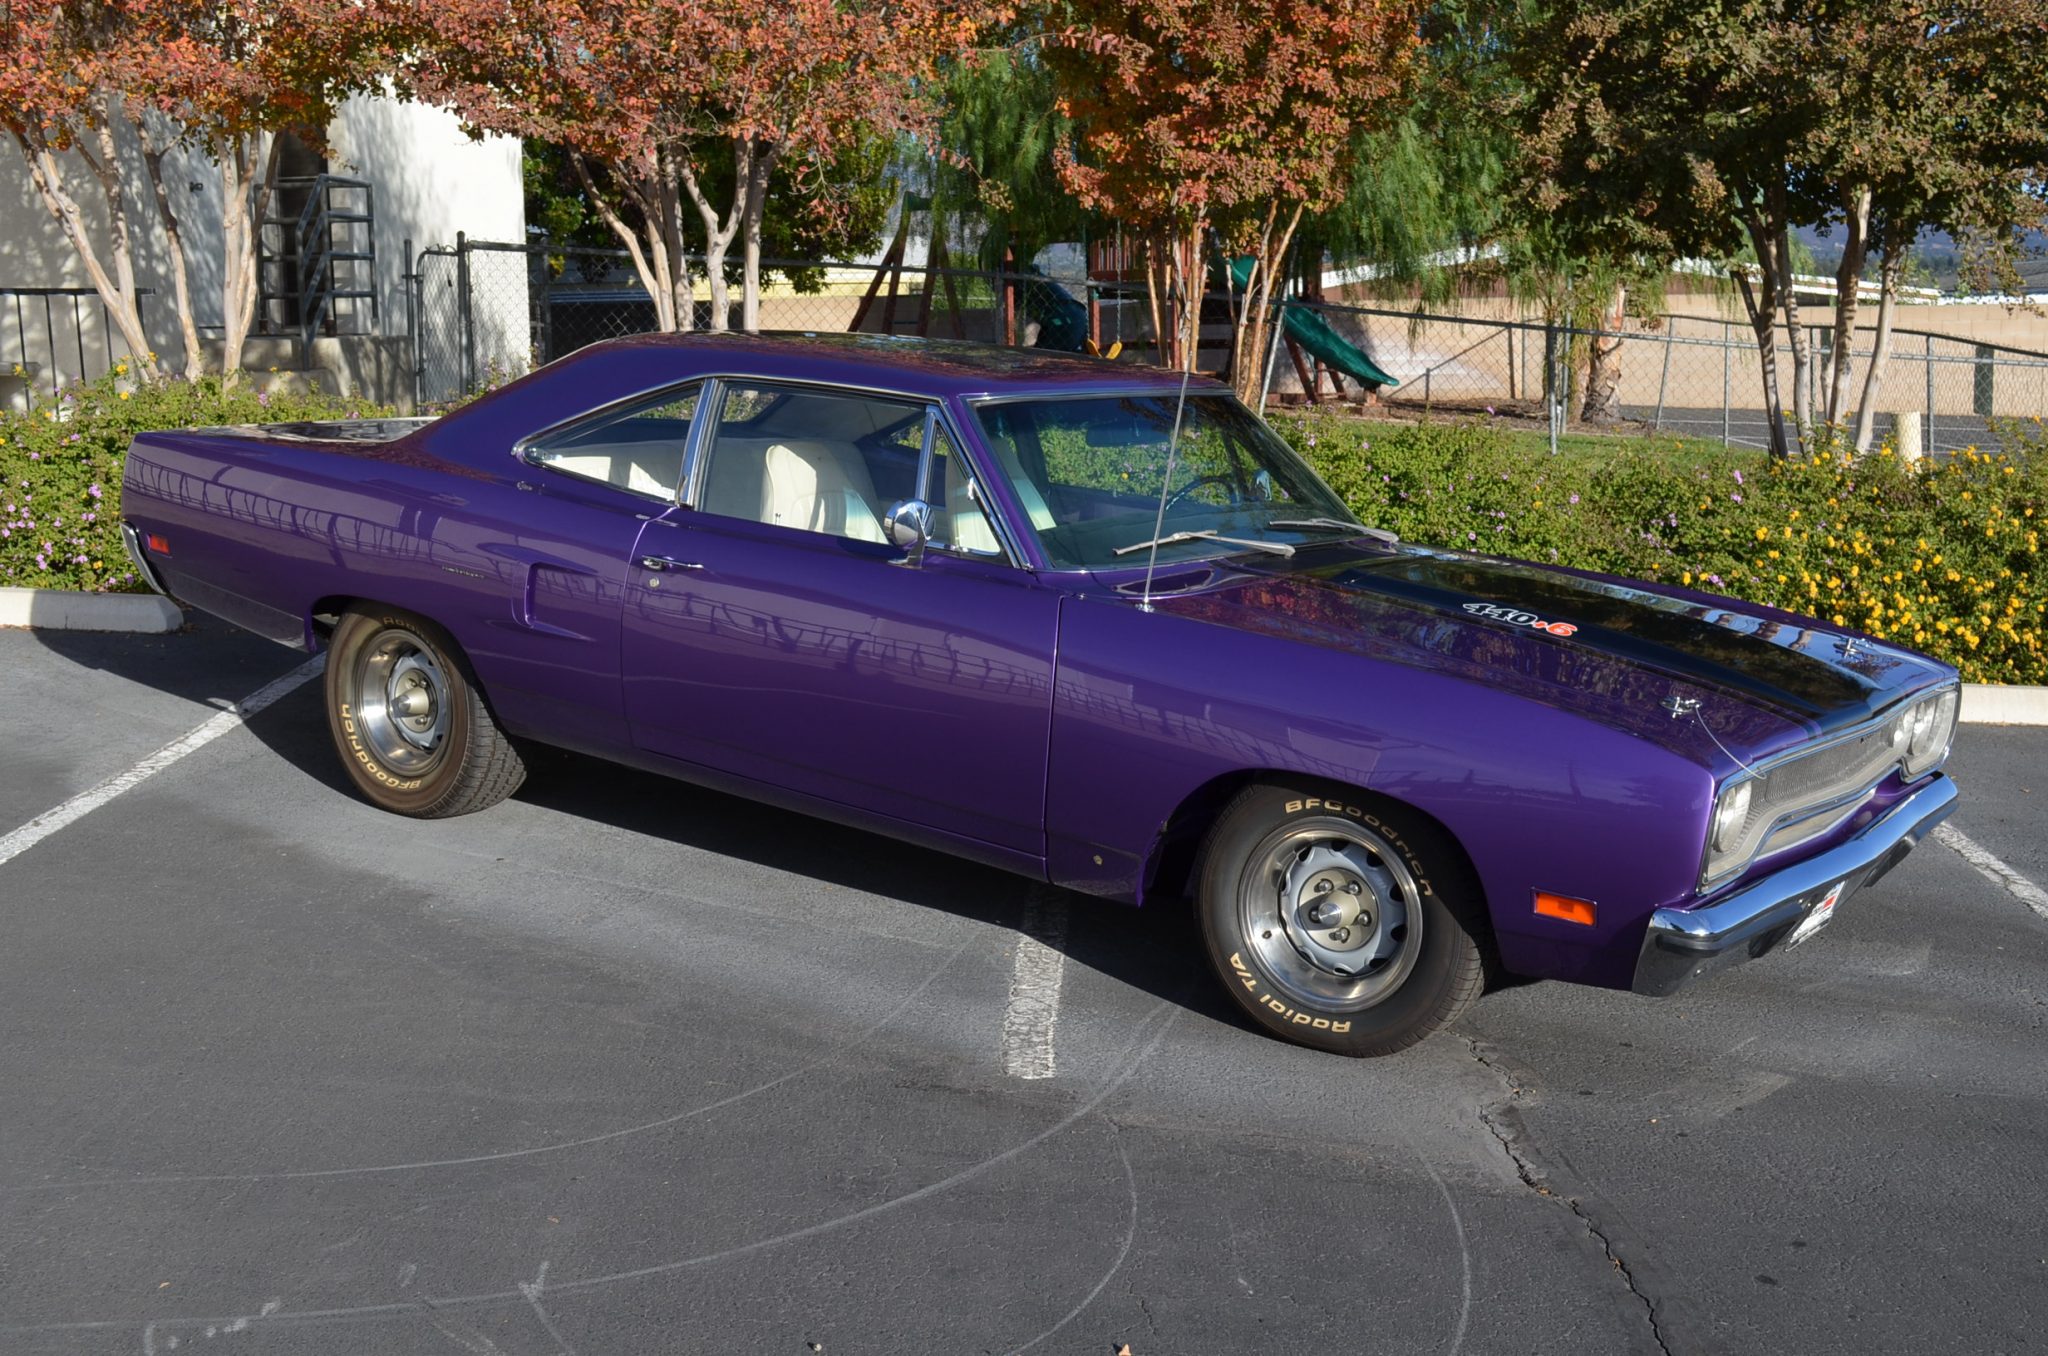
[53, 335]
[481, 312]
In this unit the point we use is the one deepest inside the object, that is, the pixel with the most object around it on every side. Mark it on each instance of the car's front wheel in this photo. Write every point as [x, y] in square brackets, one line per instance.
[411, 727]
[1337, 920]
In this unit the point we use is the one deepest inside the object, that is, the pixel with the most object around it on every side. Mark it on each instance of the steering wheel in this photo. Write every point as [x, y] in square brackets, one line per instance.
[1197, 483]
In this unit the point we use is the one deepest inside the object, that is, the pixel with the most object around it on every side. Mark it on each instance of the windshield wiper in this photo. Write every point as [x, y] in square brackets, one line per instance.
[1278, 548]
[1338, 525]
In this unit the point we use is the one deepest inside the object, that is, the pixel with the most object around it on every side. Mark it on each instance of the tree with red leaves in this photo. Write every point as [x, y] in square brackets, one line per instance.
[219, 76]
[1231, 115]
[63, 96]
[643, 93]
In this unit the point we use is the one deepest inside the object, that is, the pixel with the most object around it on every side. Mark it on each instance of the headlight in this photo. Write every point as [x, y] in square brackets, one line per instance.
[1731, 813]
[1929, 727]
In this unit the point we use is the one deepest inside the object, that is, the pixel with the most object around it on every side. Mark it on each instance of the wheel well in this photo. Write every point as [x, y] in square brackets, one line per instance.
[1169, 874]
[324, 615]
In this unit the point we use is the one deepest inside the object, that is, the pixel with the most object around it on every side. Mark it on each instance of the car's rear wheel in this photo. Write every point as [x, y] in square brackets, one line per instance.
[412, 729]
[1337, 920]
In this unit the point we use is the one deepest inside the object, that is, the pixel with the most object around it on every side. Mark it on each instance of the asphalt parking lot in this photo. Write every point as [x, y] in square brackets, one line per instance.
[623, 1066]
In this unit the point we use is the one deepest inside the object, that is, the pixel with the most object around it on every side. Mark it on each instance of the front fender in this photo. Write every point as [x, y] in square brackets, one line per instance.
[1148, 709]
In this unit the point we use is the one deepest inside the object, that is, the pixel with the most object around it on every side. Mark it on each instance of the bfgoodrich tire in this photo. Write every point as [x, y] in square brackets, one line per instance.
[413, 731]
[1337, 920]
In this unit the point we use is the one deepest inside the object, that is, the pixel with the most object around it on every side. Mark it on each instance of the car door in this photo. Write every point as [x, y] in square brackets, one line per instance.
[773, 633]
[551, 553]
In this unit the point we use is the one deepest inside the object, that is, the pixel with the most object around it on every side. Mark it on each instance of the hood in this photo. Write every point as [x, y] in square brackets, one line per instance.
[1611, 649]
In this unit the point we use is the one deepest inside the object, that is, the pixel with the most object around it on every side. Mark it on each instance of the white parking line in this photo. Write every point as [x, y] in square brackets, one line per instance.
[1034, 1006]
[1993, 870]
[85, 802]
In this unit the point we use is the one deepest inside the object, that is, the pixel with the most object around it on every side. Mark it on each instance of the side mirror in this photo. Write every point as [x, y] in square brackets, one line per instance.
[908, 524]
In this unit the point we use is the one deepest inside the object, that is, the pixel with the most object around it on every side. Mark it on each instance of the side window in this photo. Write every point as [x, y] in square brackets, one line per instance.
[818, 461]
[641, 449]
[960, 521]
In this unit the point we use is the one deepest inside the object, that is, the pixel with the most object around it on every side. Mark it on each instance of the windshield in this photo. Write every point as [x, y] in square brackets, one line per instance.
[1088, 471]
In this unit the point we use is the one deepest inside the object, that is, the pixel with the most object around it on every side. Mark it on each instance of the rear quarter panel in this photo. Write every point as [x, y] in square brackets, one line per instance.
[262, 531]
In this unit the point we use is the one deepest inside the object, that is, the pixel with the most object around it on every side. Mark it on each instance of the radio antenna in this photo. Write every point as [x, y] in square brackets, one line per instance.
[1180, 406]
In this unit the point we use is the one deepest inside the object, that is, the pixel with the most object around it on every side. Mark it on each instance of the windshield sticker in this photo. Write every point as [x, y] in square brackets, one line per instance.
[1521, 618]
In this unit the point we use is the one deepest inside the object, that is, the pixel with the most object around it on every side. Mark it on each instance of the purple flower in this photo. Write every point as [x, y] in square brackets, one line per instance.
[1489, 409]
[1574, 499]
[1471, 536]
[93, 490]
[1736, 497]
[1714, 579]
[1738, 477]
[33, 456]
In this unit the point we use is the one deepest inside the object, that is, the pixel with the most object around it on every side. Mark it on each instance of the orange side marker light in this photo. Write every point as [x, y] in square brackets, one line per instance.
[158, 546]
[1565, 907]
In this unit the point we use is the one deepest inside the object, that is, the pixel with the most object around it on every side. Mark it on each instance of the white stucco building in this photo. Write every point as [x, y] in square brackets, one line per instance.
[426, 181]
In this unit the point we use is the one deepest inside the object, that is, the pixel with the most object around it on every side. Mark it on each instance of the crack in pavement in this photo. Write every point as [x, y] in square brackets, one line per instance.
[1503, 1120]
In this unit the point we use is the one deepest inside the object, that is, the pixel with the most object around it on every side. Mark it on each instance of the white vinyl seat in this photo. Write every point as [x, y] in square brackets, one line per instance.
[819, 487]
[966, 525]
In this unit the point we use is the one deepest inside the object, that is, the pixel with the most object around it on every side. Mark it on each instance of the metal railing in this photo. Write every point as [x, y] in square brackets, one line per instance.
[324, 260]
[75, 341]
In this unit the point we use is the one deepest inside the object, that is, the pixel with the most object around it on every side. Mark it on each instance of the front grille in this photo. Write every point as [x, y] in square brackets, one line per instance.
[1810, 794]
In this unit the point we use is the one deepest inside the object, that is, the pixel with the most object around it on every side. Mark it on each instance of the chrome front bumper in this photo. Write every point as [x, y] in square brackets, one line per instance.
[1684, 944]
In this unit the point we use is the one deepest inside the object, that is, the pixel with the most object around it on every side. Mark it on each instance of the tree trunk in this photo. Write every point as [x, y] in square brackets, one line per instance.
[662, 276]
[1255, 324]
[1881, 351]
[755, 206]
[720, 231]
[1603, 365]
[181, 284]
[1848, 283]
[1762, 308]
[1795, 333]
[1158, 292]
[46, 173]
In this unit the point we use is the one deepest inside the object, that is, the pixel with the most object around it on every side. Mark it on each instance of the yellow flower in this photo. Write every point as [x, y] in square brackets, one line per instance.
[1763, 534]
[125, 394]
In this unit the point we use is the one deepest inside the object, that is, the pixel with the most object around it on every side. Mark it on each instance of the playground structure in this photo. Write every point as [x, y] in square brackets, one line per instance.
[1018, 305]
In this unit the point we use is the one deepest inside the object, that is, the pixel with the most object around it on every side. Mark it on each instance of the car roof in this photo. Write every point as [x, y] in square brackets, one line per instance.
[937, 367]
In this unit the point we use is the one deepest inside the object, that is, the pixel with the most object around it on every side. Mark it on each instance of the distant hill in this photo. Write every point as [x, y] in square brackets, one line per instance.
[1937, 258]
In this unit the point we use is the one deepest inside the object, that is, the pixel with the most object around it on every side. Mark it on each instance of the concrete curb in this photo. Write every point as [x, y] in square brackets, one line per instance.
[68, 610]
[1996, 704]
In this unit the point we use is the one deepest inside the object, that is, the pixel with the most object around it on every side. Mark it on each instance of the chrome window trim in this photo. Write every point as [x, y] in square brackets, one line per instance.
[524, 449]
[1759, 771]
[717, 383]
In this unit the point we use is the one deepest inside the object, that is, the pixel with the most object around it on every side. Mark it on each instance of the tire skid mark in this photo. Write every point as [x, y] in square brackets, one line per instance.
[1123, 1251]
[1129, 1060]
[472, 1160]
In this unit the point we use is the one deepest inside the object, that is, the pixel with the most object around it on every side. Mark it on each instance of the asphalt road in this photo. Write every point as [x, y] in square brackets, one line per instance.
[622, 1066]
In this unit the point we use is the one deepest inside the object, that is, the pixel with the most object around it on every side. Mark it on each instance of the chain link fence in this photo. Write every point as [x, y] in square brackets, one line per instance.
[481, 312]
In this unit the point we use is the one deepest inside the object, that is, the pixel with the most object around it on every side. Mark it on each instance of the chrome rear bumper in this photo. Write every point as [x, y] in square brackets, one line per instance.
[139, 558]
[1682, 945]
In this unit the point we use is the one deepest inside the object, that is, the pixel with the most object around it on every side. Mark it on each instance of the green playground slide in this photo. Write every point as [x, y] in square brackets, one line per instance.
[1313, 334]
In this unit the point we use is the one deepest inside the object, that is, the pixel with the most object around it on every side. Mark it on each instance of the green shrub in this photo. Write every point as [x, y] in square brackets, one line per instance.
[1942, 555]
[60, 468]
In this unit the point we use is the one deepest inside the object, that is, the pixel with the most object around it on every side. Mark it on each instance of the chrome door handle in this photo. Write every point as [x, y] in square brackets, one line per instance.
[668, 563]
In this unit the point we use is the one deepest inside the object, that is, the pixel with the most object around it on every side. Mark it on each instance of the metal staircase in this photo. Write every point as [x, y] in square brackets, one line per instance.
[318, 266]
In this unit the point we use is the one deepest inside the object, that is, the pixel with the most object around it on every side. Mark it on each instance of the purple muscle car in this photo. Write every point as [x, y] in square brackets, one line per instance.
[1075, 620]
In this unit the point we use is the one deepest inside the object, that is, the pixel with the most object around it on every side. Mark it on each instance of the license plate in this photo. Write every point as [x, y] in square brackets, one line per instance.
[1817, 917]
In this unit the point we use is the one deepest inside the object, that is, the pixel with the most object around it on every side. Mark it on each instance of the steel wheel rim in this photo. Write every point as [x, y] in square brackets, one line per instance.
[1322, 942]
[402, 702]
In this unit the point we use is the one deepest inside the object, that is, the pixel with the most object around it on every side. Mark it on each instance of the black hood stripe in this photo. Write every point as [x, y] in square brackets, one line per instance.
[1735, 650]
